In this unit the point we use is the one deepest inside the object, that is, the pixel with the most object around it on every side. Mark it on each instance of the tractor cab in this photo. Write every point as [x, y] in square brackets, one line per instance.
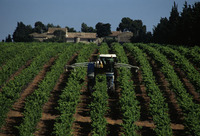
[106, 62]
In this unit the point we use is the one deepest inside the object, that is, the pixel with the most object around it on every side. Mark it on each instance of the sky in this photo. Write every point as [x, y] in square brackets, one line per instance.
[73, 13]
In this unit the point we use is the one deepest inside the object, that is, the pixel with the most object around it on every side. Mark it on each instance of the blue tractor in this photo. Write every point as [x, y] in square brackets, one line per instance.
[104, 64]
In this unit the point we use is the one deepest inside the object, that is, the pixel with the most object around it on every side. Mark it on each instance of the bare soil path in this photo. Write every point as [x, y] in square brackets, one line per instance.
[114, 115]
[14, 116]
[146, 121]
[49, 114]
[82, 122]
[187, 84]
[17, 72]
[196, 67]
[175, 111]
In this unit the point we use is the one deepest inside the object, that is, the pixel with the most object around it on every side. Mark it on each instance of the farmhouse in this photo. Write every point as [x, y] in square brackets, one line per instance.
[113, 35]
[124, 37]
[51, 31]
[74, 37]
[39, 37]
[121, 37]
[81, 37]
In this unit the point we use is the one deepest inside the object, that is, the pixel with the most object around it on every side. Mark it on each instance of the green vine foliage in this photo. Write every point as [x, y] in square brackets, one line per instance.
[11, 91]
[99, 107]
[129, 105]
[35, 102]
[158, 106]
[190, 109]
[70, 95]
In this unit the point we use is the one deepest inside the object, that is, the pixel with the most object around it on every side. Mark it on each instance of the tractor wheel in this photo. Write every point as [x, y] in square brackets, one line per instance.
[90, 84]
[90, 88]
[112, 88]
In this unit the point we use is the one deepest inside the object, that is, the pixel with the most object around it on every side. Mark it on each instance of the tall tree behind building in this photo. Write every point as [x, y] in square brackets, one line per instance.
[21, 33]
[70, 29]
[103, 29]
[137, 28]
[85, 28]
[40, 27]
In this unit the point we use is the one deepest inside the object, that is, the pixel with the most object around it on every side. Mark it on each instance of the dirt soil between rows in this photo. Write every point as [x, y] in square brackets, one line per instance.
[82, 123]
[17, 73]
[187, 84]
[14, 116]
[49, 114]
[175, 112]
[146, 121]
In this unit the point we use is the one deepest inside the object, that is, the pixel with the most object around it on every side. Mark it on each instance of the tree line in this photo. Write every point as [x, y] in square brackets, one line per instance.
[22, 31]
[180, 28]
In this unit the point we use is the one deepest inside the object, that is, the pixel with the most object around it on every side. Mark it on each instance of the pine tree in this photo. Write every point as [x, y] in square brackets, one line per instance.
[9, 39]
[174, 25]
[21, 33]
